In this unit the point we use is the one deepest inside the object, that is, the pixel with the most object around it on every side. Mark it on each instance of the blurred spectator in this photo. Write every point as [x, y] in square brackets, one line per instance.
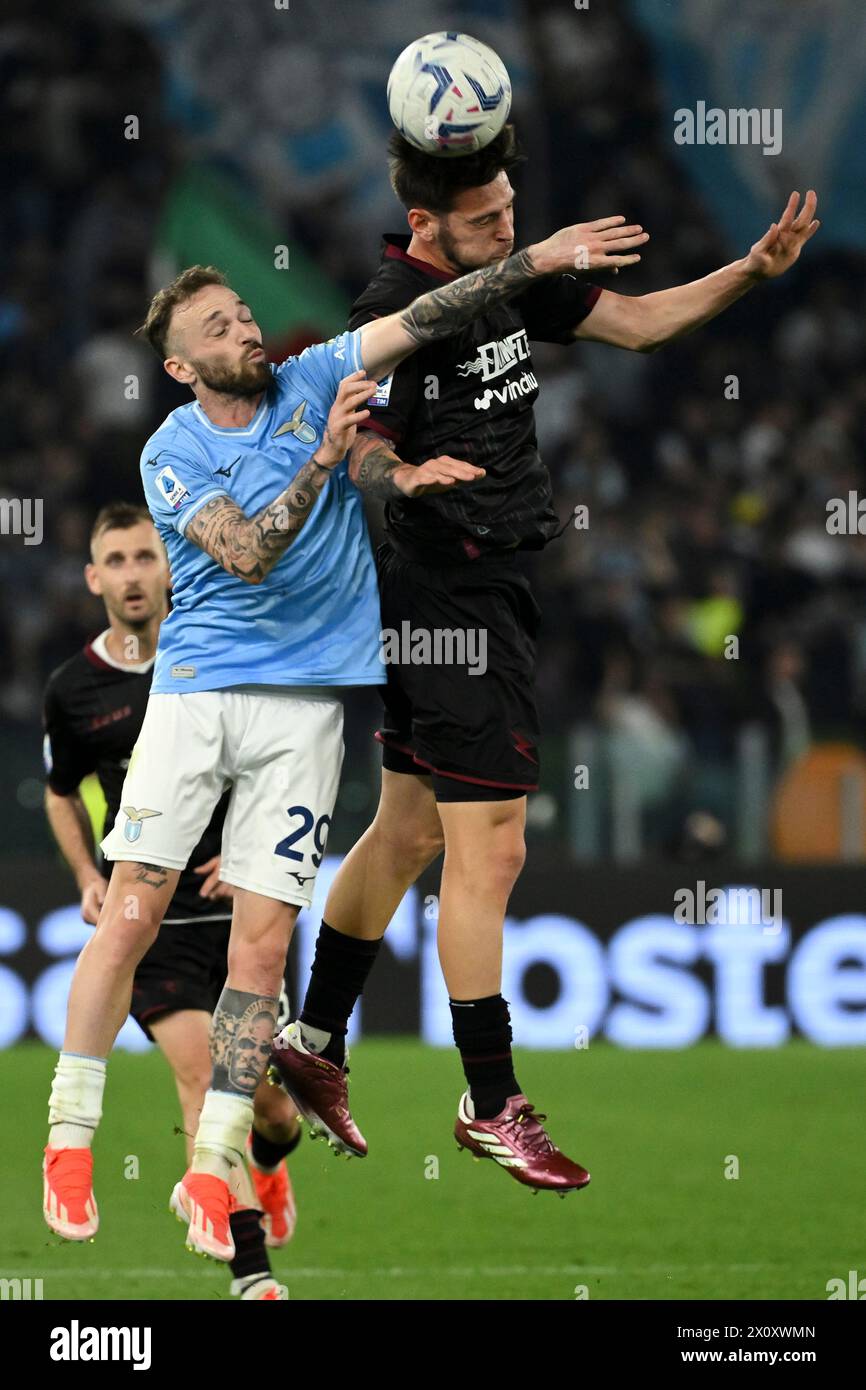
[707, 505]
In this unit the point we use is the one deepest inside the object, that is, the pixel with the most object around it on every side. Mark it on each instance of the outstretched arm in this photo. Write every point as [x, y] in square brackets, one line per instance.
[377, 470]
[440, 313]
[248, 547]
[646, 322]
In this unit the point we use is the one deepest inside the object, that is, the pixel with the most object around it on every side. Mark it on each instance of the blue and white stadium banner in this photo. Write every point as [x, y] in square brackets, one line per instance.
[800, 67]
[643, 958]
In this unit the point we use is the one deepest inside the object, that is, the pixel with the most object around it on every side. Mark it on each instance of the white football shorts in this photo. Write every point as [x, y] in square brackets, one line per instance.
[280, 749]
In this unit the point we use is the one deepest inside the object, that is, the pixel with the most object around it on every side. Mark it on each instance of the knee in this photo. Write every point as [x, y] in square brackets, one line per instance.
[128, 924]
[126, 941]
[493, 863]
[261, 962]
[192, 1084]
[259, 942]
[411, 844]
[505, 860]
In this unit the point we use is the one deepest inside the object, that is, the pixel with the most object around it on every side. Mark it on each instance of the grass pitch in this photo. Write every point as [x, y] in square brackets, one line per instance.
[419, 1220]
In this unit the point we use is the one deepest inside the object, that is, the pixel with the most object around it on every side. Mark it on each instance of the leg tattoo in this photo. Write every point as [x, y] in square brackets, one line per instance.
[241, 1037]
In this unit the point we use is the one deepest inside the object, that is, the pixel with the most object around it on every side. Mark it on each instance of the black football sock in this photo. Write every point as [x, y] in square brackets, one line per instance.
[340, 970]
[482, 1032]
[268, 1155]
[251, 1254]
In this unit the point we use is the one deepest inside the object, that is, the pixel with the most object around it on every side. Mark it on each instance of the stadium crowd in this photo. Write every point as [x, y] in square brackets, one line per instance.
[705, 469]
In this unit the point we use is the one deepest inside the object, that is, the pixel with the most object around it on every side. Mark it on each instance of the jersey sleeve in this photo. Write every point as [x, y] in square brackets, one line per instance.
[67, 760]
[324, 365]
[176, 486]
[553, 308]
[393, 402]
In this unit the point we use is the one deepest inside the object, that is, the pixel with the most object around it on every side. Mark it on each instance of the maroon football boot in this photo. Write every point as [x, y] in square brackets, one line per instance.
[319, 1090]
[516, 1139]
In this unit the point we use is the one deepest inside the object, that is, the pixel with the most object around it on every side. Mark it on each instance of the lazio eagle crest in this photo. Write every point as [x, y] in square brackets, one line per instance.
[134, 819]
[298, 427]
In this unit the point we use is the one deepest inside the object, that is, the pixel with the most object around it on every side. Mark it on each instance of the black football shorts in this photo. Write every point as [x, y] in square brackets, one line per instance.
[459, 647]
[185, 968]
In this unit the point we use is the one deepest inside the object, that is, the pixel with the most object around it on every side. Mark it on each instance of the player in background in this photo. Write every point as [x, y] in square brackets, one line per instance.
[460, 747]
[94, 707]
[275, 607]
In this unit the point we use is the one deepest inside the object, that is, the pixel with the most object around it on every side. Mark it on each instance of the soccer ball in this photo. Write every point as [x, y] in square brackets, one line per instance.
[449, 94]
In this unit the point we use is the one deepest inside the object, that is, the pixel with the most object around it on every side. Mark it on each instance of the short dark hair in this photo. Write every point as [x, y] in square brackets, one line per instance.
[156, 326]
[433, 181]
[118, 516]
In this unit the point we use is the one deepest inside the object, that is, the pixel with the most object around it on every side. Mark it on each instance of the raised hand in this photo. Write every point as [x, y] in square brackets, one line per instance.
[782, 243]
[344, 418]
[601, 245]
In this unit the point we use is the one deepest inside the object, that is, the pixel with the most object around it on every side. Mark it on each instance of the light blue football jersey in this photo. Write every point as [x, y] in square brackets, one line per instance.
[314, 620]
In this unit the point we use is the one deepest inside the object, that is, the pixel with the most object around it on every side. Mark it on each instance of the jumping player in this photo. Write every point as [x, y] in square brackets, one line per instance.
[275, 608]
[94, 707]
[460, 746]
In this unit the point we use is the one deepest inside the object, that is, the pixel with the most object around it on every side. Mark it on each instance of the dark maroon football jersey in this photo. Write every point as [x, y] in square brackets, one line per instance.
[92, 716]
[470, 396]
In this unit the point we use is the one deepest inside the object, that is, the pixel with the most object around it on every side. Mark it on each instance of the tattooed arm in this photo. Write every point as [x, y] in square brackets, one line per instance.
[587, 246]
[249, 546]
[376, 470]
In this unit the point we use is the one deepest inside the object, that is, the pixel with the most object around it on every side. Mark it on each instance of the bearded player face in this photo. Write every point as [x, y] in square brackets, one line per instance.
[479, 229]
[215, 341]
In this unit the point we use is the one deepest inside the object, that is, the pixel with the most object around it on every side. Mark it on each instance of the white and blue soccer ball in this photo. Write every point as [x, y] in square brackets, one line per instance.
[449, 94]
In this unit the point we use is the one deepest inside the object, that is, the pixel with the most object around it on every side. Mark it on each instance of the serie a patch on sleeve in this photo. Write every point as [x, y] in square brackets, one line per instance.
[174, 491]
[382, 393]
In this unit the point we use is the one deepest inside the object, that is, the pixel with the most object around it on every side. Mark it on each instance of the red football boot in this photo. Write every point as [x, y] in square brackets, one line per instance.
[204, 1203]
[276, 1199]
[68, 1203]
[319, 1089]
[517, 1140]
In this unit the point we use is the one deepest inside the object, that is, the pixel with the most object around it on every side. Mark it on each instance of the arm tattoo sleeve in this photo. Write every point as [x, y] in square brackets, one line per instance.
[249, 547]
[241, 1038]
[441, 312]
[372, 466]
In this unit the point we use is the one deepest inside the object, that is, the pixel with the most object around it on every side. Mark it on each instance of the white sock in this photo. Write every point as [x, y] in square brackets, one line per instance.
[241, 1285]
[75, 1105]
[314, 1039]
[222, 1133]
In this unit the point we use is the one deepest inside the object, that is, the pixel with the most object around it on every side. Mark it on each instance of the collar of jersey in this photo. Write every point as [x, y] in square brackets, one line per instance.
[395, 248]
[99, 647]
[236, 431]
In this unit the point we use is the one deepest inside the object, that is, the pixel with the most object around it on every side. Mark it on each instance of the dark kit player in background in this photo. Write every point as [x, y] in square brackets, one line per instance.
[450, 446]
[94, 707]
